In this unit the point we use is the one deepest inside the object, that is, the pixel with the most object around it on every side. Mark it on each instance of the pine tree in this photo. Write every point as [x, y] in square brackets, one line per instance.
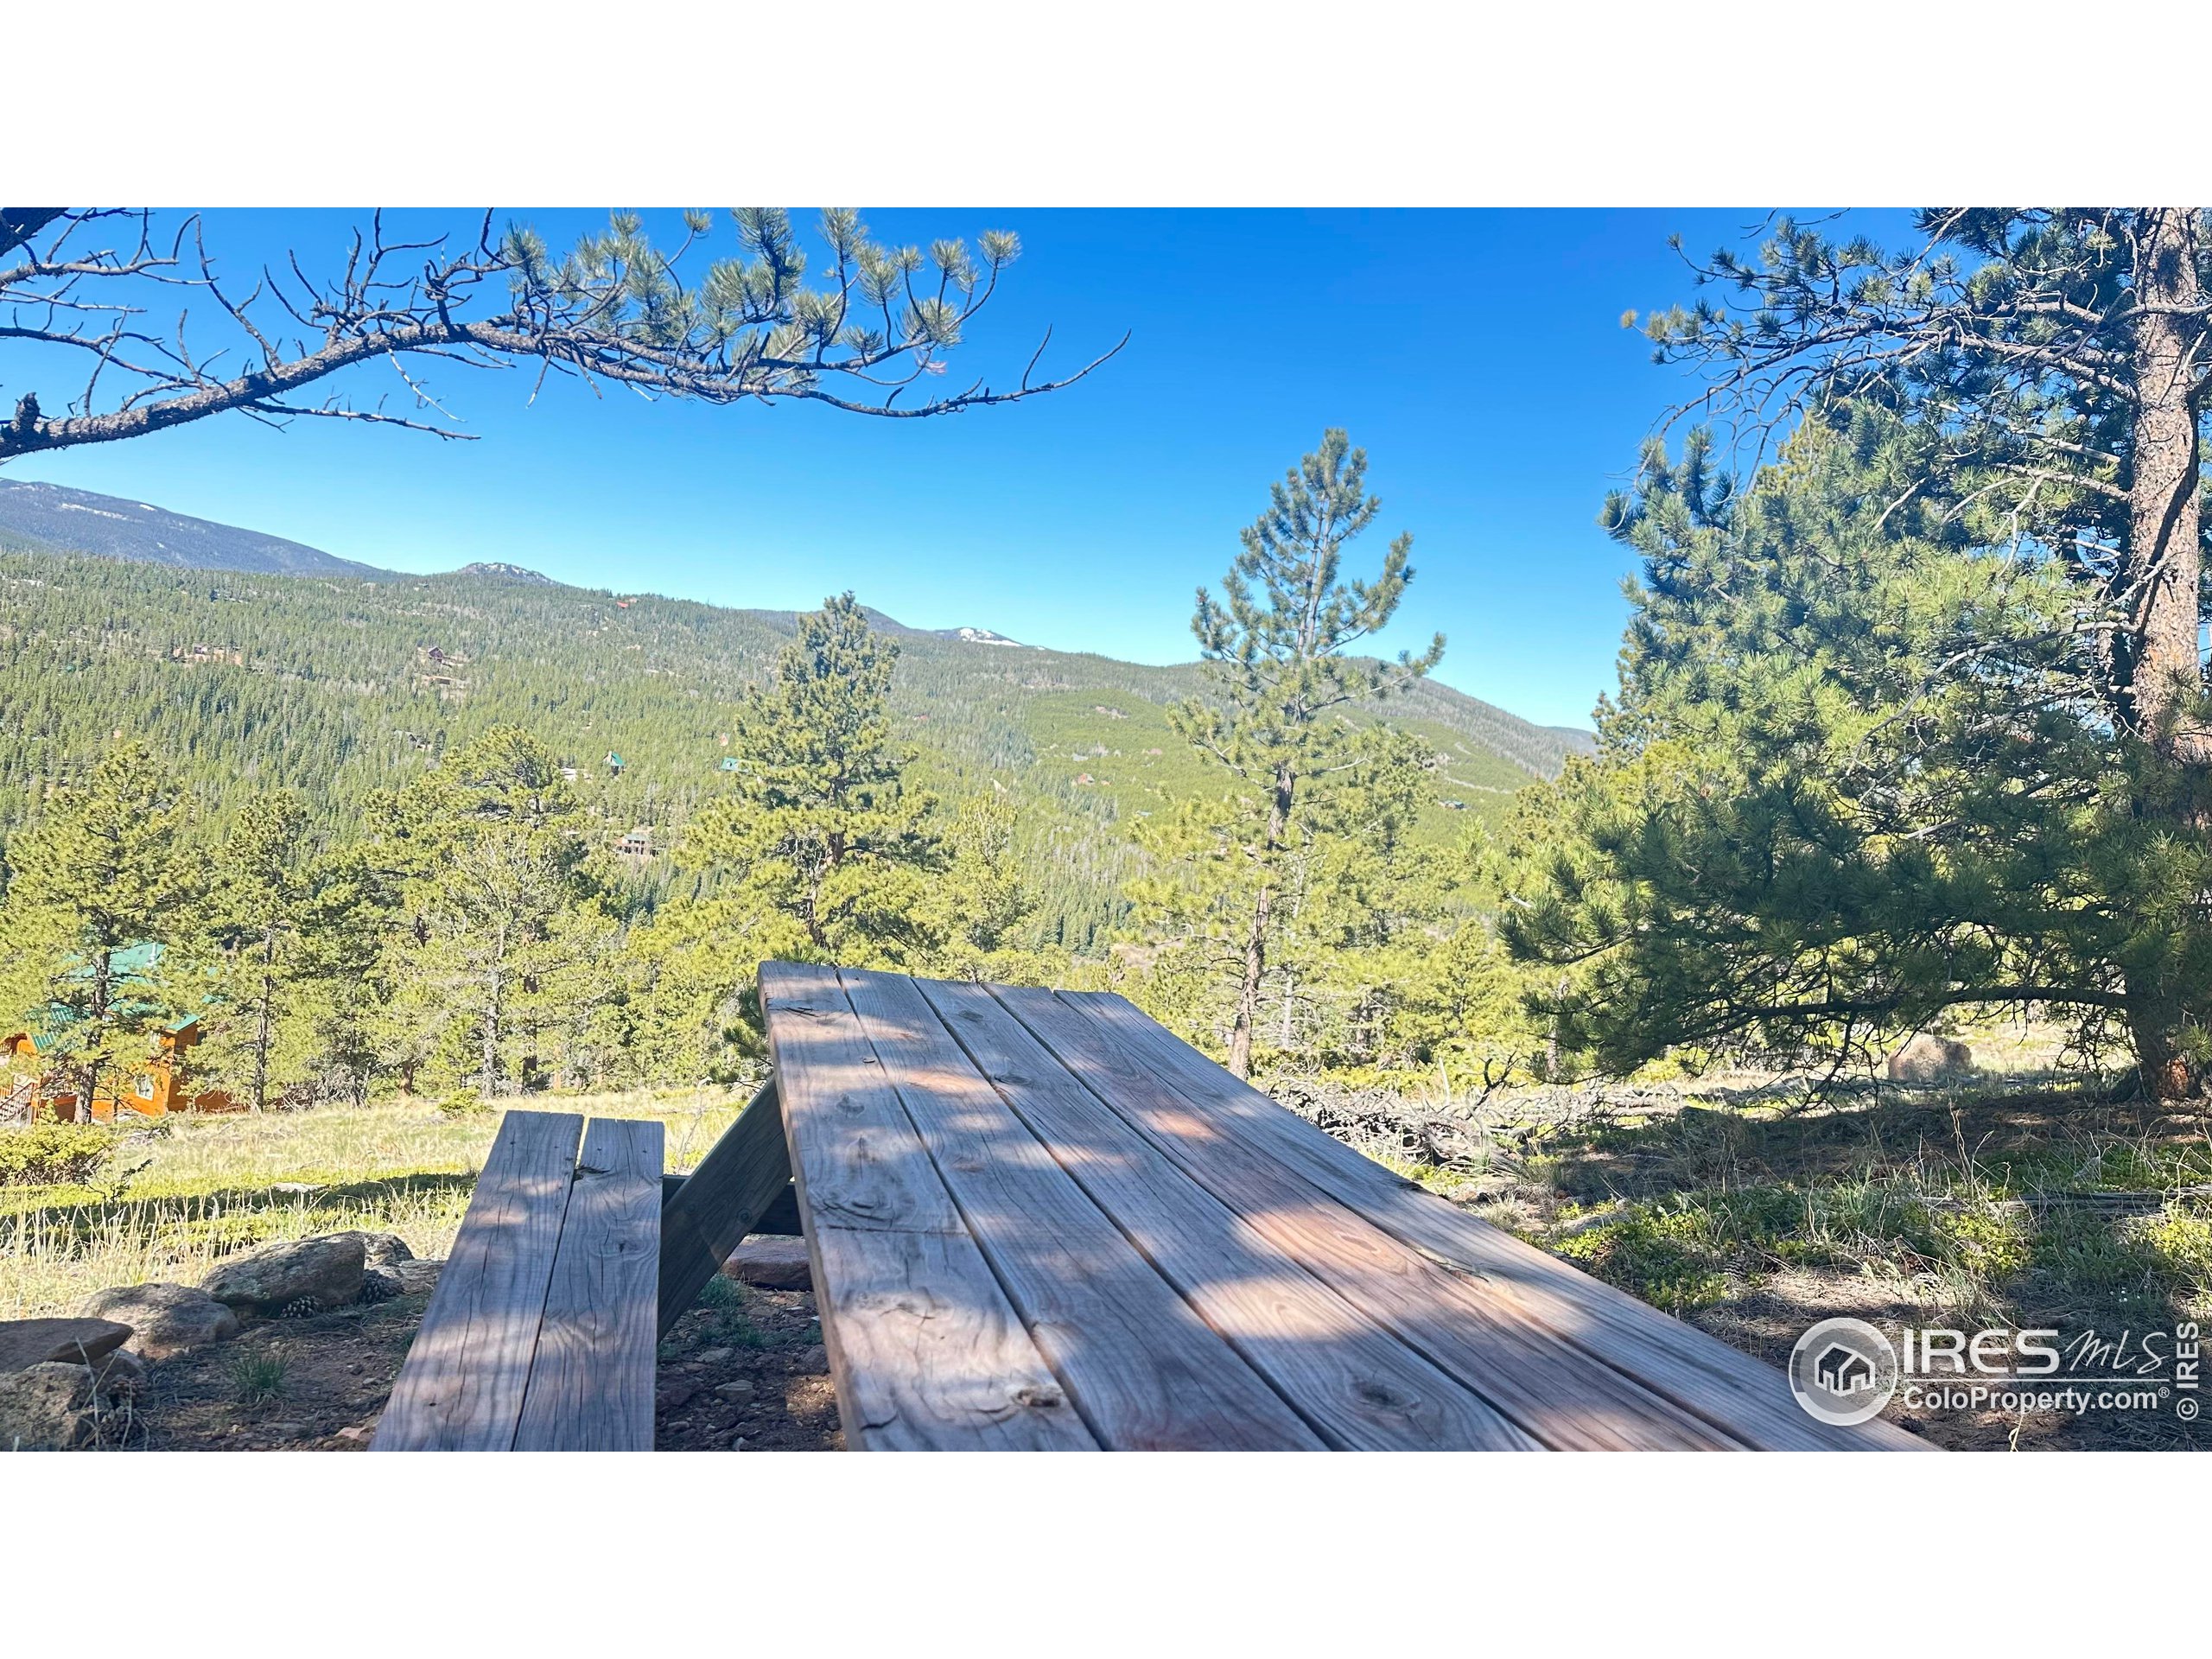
[984, 898]
[821, 844]
[285, 936]
[505, 946]
[2049, 364]
[1282, 687]
[1856, 777]
[92, 885]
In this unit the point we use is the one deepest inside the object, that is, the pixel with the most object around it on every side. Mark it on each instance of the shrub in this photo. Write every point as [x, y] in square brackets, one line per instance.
[463, 1103]
[52, 1154]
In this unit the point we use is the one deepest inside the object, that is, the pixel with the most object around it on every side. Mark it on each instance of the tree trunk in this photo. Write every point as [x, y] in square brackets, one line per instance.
[2160, 577]
[1256, 941]
[2163, 560]
[261, 1037]
[1248, 989]
[2166, 1073]
[488, 1072]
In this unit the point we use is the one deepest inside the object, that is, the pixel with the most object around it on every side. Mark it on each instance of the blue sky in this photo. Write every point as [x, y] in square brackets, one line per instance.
[1478, 356]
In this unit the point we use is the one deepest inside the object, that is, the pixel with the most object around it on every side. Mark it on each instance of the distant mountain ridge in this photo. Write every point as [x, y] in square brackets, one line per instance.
[112, 527]
[51, 518]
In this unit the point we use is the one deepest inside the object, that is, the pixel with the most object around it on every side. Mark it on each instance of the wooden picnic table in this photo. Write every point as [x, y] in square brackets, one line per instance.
[1038, 1221]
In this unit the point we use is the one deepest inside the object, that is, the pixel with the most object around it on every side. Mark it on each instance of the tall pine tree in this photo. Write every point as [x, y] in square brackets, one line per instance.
[821, 845]
[287, 935]
[504, 949]
[1854, 778]
[1282, 687]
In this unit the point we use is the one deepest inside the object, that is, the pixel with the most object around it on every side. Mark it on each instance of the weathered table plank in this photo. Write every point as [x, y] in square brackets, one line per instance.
[858, 1162]
[925, 1350]
[1751, 1400]
[1549, 1388]
[1145, 1371]
[926, 1353]
[461, 1387]
[591, 1385]
[1360, 1387]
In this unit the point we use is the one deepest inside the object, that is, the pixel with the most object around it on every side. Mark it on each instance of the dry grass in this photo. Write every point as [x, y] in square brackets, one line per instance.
[182, 1194]
[1984, 1202]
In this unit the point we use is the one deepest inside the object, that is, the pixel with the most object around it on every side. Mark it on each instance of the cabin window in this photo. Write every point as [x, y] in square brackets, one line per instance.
[142, 1086]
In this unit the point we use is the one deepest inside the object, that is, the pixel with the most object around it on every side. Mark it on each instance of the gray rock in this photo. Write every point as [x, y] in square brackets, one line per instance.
[48, 1407]
[327, 1269]
[815, 1358]
[80, 1342]
[381, 1252]
[740, 1391]
[120, 1374]
[673, 1393]
[415, 1277]
[1930, 1059]
[770, 1262]
[164, 1319]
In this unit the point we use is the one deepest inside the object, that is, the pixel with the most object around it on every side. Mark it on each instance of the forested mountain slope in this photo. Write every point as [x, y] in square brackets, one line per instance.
[341, 685]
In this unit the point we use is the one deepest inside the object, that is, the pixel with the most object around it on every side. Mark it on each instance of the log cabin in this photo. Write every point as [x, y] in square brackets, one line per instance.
[32, 1084]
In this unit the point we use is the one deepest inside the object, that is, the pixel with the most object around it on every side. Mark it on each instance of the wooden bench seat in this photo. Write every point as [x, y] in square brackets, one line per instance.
[541, 1334]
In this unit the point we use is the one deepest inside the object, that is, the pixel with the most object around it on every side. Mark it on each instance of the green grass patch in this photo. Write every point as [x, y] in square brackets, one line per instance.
[208, 1187]
[258, 1375]
[732, 1327]
[1676, 1256]
[2183, 1243]
[1690, 1249]
[51, 1155]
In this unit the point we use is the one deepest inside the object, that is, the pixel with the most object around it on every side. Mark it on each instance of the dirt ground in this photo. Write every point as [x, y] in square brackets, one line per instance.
[745, 1371]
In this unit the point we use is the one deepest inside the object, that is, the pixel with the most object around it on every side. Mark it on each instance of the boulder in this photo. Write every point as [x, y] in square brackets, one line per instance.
[79, 1342]
[165, 1320]
[1930, 1059]
[325, 1270]
[770, 1262]
[49, 1406]
[381, 1252]
[417, 1277]
[120, 1375]
[382, 1255]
